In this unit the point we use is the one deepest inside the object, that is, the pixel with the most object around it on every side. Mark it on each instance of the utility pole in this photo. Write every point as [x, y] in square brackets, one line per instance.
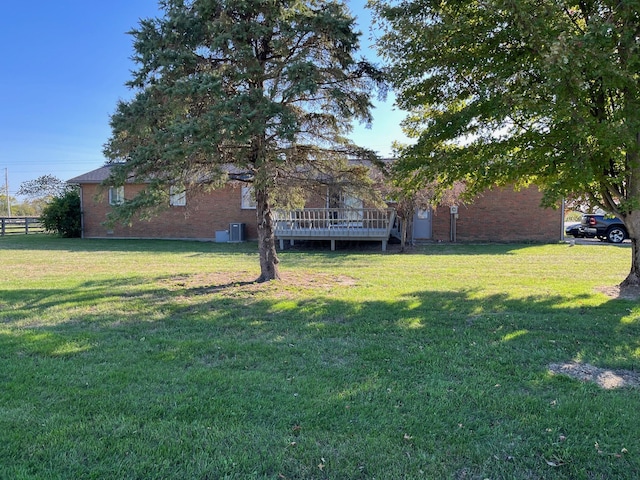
[6, 189]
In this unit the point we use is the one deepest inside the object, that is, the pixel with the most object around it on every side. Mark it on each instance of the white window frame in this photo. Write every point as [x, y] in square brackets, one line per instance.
[177, 196]
[248, 199]
[116, 195]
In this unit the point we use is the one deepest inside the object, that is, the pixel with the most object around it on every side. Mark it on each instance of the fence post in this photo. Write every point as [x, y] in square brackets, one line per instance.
[26, 225]
[2, 229]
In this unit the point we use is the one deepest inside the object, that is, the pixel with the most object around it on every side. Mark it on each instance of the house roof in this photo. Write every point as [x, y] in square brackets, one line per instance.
[98, 175]
[101, 174]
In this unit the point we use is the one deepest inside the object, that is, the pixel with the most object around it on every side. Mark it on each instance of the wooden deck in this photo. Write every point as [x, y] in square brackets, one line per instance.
[365, 224]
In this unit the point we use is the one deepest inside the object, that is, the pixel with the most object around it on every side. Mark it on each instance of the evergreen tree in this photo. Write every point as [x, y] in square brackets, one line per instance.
[258, 91]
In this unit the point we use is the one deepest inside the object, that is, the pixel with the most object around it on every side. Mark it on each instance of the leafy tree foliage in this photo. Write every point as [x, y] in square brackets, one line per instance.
[39, 192]
[409, 194]
[522, 91]
[62, 214]
[26, 208]
[258, 91]
[3, 204]
[45, 186]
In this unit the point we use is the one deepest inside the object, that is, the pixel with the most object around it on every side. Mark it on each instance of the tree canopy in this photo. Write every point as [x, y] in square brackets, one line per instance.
[258, 91]
[520, 92]
[43, 187]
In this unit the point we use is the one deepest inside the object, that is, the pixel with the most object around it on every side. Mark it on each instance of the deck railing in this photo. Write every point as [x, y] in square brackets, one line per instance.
[20, 225]
[334, 224]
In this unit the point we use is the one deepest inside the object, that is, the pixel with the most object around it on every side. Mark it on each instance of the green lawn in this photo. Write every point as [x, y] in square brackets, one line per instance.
[155, 360]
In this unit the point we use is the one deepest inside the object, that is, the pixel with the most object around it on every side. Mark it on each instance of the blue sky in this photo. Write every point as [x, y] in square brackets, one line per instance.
[64, 66]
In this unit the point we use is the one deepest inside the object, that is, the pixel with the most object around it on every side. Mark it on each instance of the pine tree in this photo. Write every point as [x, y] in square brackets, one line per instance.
[257, 91]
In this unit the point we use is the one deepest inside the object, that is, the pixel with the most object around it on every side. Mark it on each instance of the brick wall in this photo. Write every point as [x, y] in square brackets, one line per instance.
[498, 215]
[501, 215]
[203, 215]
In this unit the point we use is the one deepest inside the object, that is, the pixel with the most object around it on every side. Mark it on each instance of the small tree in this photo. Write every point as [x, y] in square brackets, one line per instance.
[62, 215]
[411, 195]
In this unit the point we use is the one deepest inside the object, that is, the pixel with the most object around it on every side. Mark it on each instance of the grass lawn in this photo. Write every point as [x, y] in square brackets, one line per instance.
[155, 360]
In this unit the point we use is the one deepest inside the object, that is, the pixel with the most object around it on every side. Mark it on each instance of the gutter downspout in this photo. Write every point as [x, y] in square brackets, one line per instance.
[81, 212]
[453, 227]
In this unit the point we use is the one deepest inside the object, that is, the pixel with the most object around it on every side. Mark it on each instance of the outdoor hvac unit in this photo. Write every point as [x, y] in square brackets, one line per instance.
[236, 232]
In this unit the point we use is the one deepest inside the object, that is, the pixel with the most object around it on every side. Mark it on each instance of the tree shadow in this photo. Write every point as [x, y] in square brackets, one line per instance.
[272, 309]
[314, 370]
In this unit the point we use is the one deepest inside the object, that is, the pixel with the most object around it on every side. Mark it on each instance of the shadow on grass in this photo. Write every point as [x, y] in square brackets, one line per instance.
[606, 333]
[258, 381]
[310, 248]
[52, 242]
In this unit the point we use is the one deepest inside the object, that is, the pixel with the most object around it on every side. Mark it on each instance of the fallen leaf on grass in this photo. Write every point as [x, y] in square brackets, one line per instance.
[555, 462]
[616, 455]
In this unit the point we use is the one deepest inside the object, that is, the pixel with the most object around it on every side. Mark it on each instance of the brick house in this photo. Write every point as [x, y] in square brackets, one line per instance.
[196, 217]
[498, 215]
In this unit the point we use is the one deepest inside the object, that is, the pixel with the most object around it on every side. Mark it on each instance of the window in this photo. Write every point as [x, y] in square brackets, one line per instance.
[248, 198]
[177, 197]
[116, 195]
[423, 214]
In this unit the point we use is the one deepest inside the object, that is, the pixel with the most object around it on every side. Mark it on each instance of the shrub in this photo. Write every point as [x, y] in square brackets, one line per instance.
[62, 214]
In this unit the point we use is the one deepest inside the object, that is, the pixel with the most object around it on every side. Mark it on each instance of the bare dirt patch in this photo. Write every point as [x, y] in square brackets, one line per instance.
[244, 282]
[605, 378]
[627, 293]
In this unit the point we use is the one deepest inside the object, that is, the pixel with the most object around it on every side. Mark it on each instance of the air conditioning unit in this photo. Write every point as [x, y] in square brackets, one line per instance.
[236, 232]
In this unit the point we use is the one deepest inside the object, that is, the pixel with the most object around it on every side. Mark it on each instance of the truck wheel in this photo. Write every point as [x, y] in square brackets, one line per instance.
[616, 235]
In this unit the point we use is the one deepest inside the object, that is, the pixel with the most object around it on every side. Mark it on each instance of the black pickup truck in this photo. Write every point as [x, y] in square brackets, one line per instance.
[604, 227]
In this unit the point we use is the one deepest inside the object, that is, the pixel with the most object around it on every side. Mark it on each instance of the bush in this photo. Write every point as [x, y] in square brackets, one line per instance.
[62, 214]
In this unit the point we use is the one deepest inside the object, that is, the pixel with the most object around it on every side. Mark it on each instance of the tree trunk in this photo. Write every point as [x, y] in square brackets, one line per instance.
[266, 238]
[633, 279]
[403, 234]
[632, 222]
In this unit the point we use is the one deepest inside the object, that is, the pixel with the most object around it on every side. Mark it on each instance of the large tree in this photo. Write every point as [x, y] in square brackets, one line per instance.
[258, 91]
[522, 91]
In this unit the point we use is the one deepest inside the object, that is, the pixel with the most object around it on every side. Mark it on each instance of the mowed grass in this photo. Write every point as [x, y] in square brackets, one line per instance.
[155, 360]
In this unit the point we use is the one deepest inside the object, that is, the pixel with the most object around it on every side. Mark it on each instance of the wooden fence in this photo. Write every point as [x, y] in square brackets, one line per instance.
[20, 225]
